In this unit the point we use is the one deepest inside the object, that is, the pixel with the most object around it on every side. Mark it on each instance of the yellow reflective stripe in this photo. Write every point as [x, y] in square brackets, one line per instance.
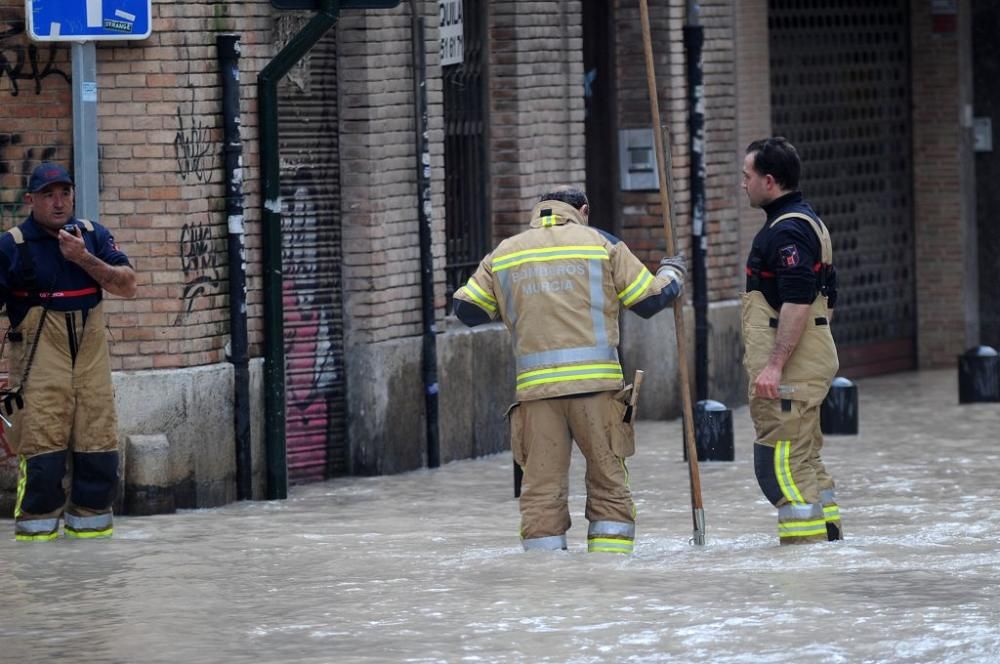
[801, 528]
[832, 513]
[89, 534]
[549, 220]
[607, 545]
[589, 252]
[479, 296]
[636, 288]
[22, 482]
[44, 537]
[571, 372]
[783, 472]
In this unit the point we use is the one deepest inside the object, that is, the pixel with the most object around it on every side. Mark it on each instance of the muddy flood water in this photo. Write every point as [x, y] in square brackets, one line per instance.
[427, 566]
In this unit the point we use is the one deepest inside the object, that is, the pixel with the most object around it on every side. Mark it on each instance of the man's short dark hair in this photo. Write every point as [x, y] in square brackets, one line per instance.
[568, 195]
[778, 158]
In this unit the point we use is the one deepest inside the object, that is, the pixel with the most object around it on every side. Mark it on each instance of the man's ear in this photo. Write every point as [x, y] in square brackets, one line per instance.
[585, 210]
[28, 198]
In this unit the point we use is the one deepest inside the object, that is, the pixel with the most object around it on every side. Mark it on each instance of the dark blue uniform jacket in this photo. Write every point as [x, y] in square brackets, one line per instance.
[63, 285]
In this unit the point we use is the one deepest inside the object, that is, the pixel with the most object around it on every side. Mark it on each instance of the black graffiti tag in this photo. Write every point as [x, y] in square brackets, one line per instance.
[199, 261]
[191, 147]
[24, 62]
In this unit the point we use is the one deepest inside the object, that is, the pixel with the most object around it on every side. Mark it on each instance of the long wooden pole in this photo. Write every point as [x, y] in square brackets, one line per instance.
[697, 509]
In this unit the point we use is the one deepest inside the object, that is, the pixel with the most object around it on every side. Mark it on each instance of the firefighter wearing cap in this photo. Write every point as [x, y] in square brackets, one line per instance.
[559, 287]
[51, 281]
[790, 355]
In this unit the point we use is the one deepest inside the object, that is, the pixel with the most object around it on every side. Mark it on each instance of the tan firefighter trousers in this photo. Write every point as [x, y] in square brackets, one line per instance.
[542, 432]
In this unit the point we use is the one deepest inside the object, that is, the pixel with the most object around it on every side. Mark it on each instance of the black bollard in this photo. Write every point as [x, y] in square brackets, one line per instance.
[713, 431]
[518, 476]
[839, 413]
[979, 375]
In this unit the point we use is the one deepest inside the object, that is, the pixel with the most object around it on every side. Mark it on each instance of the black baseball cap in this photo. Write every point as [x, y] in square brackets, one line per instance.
[47, 173]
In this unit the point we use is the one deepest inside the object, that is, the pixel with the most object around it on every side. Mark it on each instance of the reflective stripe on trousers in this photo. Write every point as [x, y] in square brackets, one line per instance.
[36, 530]
[88, 527]
[800, 521]
[551, 543]
[610, 537]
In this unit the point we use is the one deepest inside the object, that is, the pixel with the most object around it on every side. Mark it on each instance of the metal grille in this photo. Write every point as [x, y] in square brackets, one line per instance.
[840, 91]
[315, 388]
[467, 226]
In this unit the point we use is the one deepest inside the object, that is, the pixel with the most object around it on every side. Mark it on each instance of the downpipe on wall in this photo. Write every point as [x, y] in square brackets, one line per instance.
[694, 38]
[425, 217]
[228, 46]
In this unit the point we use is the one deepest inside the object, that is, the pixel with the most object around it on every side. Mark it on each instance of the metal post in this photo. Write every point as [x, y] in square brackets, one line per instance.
[694, 38]
[86, 176]
[228, 47]
[429, 349]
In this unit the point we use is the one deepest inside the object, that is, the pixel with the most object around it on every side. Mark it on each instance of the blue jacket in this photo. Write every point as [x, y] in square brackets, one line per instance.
[62, 284]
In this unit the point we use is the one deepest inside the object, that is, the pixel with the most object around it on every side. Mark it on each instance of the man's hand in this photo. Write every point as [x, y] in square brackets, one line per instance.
[766, 385]
[72, 246]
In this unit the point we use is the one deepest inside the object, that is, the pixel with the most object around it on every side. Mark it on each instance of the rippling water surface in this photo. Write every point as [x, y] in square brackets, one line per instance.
[427, 567]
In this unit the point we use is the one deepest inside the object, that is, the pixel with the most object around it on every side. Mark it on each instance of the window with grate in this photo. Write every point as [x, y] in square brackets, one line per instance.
[467, 224]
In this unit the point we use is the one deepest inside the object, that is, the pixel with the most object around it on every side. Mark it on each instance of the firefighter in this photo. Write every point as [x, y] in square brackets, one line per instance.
[59, 410]
[790, 356]
[559, 287]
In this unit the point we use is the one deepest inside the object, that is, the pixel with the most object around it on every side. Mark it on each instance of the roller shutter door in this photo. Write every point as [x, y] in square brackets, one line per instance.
[840, 91]
[315, 389]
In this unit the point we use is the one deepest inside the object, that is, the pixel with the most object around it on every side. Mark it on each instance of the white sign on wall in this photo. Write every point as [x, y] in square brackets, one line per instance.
[452, 45]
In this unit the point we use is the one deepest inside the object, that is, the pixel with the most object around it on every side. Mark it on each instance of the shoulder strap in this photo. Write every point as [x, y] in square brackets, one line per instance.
[27, 262]
[822, 234]
[88, 224]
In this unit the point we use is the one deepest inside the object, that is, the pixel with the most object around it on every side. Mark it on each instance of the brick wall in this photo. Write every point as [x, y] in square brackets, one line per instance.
[943, 207]
[642, 222]
[537, 106]
[379, 188]
[161, 185]
[641, 211]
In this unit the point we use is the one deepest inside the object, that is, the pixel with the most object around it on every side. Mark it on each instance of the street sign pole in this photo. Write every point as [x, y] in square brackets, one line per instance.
[85, 162]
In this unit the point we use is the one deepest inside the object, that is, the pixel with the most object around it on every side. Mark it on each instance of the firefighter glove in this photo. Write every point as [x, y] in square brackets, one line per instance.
[674, 267]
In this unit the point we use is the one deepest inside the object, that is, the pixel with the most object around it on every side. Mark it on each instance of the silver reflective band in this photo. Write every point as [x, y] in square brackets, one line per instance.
[813, 511]
[566, 356]
[36, 526]
[596, 269]
[826, 496]
[551, 543]
[604, 528]
[99, 522]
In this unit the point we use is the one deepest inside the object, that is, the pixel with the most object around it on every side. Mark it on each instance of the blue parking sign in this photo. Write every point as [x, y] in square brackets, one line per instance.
[88, 20]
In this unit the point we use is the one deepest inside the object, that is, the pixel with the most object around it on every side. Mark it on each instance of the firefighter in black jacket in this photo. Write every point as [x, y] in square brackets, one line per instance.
[53, 271]
[790, 355]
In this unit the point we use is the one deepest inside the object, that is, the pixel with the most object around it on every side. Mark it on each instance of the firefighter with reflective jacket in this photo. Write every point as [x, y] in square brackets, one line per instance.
[790, 355]
[59, 408]
[559, 287]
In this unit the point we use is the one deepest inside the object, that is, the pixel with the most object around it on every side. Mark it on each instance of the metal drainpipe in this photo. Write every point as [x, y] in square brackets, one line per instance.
[694, 38]
[274, 328]
[228, 46]
[429, 347]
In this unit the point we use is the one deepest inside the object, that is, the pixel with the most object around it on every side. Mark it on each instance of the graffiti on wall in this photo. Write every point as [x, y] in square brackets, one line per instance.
[13, 152]
[192, 145]
[310, 359]
[22, 60]
[199, 254]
